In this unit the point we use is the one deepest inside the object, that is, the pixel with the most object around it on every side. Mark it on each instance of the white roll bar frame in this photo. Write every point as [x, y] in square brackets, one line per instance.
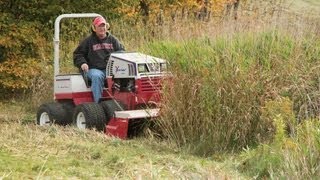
[56, 40]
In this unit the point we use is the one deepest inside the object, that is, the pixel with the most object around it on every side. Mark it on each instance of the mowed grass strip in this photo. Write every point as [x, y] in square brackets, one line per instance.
[31, 151]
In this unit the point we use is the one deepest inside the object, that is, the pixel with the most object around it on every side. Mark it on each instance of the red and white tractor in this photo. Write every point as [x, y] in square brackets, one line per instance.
[132, 91]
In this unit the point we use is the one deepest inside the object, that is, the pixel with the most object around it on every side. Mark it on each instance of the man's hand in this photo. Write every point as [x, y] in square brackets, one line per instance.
[85, 67]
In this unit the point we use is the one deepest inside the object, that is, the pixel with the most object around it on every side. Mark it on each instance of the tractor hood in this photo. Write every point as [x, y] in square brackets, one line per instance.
[134, 64]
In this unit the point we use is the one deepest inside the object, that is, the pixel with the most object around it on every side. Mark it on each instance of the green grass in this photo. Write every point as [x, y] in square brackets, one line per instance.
[30, 151]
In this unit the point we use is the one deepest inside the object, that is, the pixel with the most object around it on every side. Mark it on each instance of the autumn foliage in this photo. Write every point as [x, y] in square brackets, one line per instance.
[21, 56]
[26, 29]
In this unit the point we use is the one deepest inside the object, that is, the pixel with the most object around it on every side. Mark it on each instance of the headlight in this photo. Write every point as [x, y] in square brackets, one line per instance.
[142, 68]
[163, 67]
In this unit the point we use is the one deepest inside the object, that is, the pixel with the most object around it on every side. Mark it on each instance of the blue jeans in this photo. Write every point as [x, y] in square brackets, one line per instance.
[97, 78]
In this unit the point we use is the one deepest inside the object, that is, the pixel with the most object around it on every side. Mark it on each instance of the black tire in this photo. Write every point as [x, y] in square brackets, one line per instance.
[109, 107]
[50, 113]
[89, 116]
[69, 107]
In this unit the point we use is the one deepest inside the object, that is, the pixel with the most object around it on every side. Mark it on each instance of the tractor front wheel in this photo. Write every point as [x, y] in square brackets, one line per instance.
[89, 116]
[109, 107]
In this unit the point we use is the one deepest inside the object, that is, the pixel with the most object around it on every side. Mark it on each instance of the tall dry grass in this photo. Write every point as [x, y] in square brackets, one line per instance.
[225, 72]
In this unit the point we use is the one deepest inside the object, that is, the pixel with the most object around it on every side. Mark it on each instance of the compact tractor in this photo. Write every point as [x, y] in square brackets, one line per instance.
[130, 97]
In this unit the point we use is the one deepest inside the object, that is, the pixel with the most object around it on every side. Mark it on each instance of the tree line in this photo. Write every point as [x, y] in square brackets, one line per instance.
[26, 27]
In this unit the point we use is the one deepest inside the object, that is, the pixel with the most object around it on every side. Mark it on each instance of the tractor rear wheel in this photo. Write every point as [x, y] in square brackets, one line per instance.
[109, 107]
[50, 113]
[89, 116]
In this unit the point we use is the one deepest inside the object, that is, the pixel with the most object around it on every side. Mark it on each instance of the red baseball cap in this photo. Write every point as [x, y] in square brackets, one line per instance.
[99, 20]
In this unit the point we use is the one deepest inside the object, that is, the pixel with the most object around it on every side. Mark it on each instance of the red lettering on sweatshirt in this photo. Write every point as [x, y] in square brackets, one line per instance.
[102, 46]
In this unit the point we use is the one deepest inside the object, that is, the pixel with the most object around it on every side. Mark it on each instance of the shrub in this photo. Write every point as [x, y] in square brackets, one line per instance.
[295, 157]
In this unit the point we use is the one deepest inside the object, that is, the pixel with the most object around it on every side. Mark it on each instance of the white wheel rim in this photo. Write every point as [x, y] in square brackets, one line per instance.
[81, 121]
[44, 119]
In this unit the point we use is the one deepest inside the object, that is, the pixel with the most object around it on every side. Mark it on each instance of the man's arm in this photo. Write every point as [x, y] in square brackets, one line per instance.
[80, 54]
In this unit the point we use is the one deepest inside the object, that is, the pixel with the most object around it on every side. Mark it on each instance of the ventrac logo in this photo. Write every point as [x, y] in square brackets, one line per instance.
[119, 69]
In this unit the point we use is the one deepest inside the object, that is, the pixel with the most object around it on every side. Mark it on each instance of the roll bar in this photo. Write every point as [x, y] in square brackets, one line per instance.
[56, 40]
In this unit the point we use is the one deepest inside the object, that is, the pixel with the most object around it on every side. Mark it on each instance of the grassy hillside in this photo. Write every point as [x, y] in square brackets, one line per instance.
[29, 151]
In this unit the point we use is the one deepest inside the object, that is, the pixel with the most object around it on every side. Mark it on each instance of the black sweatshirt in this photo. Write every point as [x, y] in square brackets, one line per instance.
[96, 52]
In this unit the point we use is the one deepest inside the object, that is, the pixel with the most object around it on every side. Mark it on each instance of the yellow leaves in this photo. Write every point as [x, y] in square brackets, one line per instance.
[22, 46]
[290, 145]
[128, 10]
[18, 74]
[189, 3]
[133, 10]
[4, 41]
[280, 114]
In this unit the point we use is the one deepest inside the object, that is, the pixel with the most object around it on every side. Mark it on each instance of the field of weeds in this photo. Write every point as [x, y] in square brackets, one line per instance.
[243, 102]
